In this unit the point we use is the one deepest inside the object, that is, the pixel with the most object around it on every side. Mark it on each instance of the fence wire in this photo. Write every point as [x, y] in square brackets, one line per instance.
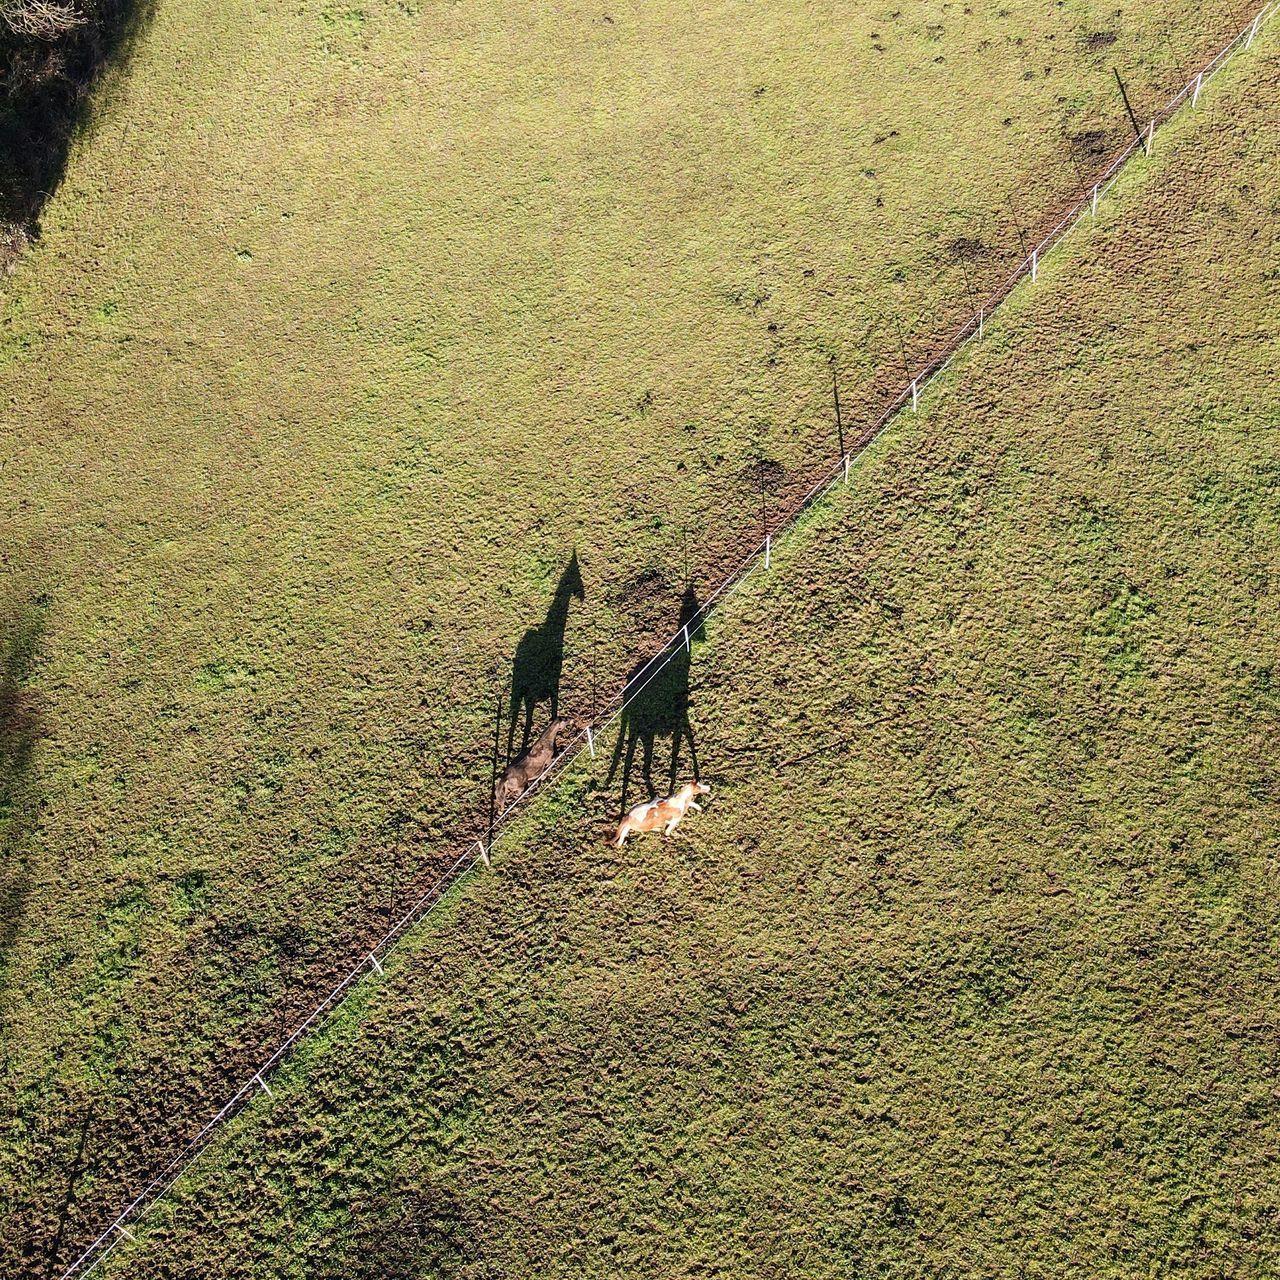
[757, 558]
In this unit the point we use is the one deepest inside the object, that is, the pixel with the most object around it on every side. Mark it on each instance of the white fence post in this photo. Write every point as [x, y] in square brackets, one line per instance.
[981, 322]
[846, 468]
[1253, 31]
[484, 853]
[1095, 199]
[257, 1076]
[1195, 97]
[373, 960]
[591, 743]
[768, 547]
[915, 397]
[1151, 136]
[1035, 264]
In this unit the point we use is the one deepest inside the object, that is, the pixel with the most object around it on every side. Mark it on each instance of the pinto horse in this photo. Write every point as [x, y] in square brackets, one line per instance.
[666, 813]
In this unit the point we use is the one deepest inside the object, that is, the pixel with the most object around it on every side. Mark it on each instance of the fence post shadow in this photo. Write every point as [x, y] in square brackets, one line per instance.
[79, 1163]
[19, 731]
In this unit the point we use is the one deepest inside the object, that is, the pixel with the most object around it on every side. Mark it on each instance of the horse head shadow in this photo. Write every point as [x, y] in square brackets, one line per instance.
[656, 705]
[539, 658]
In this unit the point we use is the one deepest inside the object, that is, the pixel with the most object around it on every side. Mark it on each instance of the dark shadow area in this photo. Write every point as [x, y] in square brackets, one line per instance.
[413, 1227]
[656, 705]
[52, 53]
[539, 659]
[20, 633]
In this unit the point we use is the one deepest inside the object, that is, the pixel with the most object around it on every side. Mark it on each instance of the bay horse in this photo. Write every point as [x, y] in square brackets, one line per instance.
[527, 767]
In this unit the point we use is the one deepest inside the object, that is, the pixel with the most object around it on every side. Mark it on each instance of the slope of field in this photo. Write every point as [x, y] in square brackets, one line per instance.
[348, 324]
[971, 967]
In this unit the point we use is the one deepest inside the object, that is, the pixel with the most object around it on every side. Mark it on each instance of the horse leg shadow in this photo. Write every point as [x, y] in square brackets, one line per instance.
[630, 736]
[647, 766]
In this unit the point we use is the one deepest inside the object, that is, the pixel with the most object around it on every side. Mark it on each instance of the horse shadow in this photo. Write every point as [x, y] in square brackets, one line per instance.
[656, 705]
[539, 659]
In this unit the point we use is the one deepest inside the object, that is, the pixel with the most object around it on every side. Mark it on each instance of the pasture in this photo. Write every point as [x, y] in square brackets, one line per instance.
[346, 327]
[970, 966]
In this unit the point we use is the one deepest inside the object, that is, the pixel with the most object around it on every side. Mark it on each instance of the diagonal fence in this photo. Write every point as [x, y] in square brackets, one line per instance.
[759, 557]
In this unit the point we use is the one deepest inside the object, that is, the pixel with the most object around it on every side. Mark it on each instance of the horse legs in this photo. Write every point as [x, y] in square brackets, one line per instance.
[617, 753]
[687, 729]
[511, 722]
[528, 725]
[648, 765]
[626, 769]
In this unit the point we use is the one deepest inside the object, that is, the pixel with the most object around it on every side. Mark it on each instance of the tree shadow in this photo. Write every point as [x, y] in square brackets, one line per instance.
[19, 730]
[48, 69]
[656, 705]
[539, 659]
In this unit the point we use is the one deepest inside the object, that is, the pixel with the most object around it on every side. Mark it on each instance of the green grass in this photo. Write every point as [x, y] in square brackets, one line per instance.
[345, 327]
[970, 968]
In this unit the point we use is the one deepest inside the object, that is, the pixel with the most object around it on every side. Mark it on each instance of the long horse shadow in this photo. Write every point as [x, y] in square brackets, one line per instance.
[539, 659]
[50, 58]
[19, 731]
[656, 705]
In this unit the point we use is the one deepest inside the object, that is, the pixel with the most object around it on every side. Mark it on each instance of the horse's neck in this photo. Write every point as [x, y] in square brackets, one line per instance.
[558, 615]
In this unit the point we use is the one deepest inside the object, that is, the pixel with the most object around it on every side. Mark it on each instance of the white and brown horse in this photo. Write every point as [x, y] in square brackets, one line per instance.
[665, 814]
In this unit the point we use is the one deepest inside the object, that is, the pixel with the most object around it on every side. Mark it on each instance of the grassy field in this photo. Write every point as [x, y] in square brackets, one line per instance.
[346, 326]
[970, 969]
